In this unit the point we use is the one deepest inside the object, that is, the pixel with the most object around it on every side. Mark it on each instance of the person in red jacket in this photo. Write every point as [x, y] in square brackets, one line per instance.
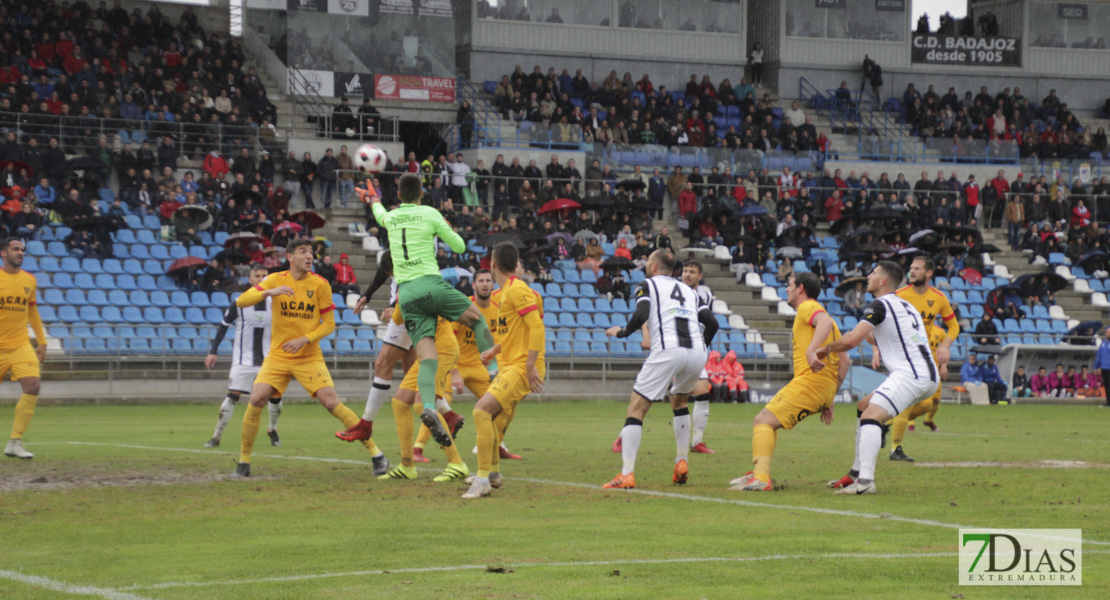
[971, 194]
[74, 62]
[166, 209]
[215, 165]
[345, 280]
[687, 201]
[834, 207]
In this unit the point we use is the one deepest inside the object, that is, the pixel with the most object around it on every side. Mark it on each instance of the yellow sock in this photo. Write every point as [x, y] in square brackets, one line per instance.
[898, 431]
[424, 434]
[933, 411]
[451, 451]
[487, 438]
[763, 446]
[403, 414]
[250, 431]
[24, 410]
[495, 462]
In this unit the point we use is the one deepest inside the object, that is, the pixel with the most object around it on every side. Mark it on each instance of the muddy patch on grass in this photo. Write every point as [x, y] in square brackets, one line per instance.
[1039, 464]
[32, 477]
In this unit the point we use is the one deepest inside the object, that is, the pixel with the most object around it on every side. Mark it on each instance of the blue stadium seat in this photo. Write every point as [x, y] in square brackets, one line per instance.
[75, 297]
[165, 283]
[146, 237]
[195, 315]
[159, 252]
[580, 348]
[178, 251]
[160, 299]
[566, 320]
[145, 282]
[589, 276]
[351, 318]
[181, 346]
[199, 299]
[599, 349]
[151, 222]
[1058, 326]
[554, 291]
[635, 277]
[220, 299]
[153, 314]
[89, 314]
[105, 282]
[35, 248]
[57, 249]
[132, 314]
[133, 221]
[112, 266]
[561, 349]
[111, 314]
[125, 236]
[91, 265]
[602, 320]
[138, 345]
[975, 296]
[620, 306]
[573, 277]
[132, 266]
[584, 320]
[47, 314]
[1027, 326]
[140, 251]
[723, 322]
[1040, 312]
[179, 299]
[582, 336]
[49, 264]
[585, 304]
[53, 296]
[152, 267]
[43, 280]
[587, 290]
[550, 320]
[557, 276]
[199, 252]
[174, 315]
[97, 298]
[602, 305]
[70, 265]
[213, 315]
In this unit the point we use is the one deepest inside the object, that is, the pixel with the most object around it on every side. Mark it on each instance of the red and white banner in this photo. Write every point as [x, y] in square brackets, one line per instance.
[414, 87]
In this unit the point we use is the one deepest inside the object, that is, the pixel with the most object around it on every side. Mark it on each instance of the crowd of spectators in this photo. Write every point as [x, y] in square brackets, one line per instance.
[623, 110]
[1045, 130]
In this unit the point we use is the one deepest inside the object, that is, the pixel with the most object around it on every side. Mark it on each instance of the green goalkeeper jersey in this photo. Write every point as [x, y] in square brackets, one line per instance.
[413, 229]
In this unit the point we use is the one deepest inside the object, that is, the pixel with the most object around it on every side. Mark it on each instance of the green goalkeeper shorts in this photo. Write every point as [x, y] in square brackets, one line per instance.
[424, 299]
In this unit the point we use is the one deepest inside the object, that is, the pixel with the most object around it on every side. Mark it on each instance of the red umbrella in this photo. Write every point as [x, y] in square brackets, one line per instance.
[289, 226]
[245, 238]
[308, 218]
[558, 204]
[16, 166]
[185, 263]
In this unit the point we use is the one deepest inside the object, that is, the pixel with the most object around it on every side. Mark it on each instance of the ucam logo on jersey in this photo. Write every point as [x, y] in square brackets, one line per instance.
[1021, 557]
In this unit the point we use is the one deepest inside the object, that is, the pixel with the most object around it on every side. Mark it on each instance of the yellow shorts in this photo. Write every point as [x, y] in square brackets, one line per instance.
[443, 377]
[312, 373]
[21, 361]
[511, 386]
[803, 396]
[475, 378]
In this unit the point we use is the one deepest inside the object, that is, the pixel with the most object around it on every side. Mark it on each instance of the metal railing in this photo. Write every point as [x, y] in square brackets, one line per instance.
[76, 135]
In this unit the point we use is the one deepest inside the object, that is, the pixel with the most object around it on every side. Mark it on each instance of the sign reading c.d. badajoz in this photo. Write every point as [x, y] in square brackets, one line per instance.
[936, 49]
[1021, 557]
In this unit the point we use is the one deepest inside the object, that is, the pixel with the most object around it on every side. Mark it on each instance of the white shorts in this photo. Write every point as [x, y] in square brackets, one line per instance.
[397, 335]
[704, 374]
[901, 391]
[674, 369]
[241, 378]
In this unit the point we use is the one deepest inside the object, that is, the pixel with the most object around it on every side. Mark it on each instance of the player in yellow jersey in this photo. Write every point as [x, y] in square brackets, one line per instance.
[810, 391]
[447, 354]
[470, 373]
[902, 421]
[302, 315]
[18, 309]
[520, 345]
[931, 303]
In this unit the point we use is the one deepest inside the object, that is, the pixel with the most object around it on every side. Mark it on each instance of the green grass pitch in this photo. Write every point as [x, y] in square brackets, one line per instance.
[138, 509]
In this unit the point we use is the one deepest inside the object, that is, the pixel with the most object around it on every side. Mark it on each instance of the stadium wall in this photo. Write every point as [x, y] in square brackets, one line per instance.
[541, 156]
[912, 171]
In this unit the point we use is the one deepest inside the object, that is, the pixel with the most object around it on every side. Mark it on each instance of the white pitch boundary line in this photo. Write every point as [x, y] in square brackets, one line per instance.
[653, 493]
[588, 563]
[66, 588]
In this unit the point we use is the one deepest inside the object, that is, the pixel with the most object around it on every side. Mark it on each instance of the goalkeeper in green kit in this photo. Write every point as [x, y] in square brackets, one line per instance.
[422, 294]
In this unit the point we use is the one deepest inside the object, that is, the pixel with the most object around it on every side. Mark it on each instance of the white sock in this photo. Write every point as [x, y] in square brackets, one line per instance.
[227, 408]
[682, 434]
[442, 406]
[630, 444]
[870, 438]
[379, 395]
[275, 412]
[701, 419]
[855, 463]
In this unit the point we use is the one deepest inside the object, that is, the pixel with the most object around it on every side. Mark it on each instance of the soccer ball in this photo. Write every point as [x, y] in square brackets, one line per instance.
[370, 158]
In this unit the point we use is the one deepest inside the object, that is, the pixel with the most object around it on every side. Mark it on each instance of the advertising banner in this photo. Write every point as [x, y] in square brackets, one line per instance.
[414, 87]
[936, 49]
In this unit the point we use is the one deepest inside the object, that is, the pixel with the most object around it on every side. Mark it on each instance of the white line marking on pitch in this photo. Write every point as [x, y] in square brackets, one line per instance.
[588, 563]
[589, 486]
[67, 588]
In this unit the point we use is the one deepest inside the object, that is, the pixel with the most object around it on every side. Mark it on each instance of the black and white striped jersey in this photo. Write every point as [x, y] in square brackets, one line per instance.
[901, 336]
[252, 332]
[673, 315]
